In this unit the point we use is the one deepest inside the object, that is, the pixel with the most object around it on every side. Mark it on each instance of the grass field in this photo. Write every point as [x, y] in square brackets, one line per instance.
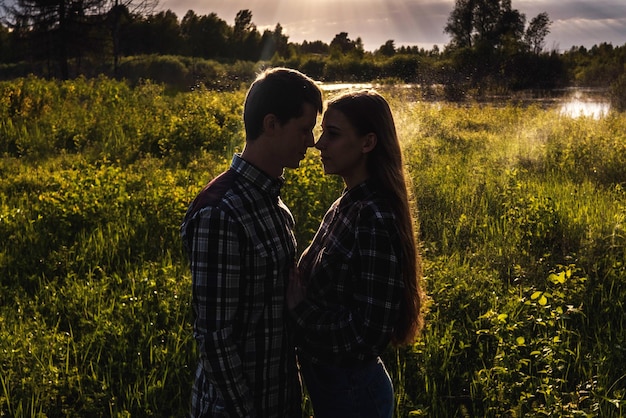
[522, 217]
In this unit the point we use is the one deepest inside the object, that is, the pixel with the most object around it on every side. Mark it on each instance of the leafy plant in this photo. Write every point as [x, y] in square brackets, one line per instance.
[521, 215]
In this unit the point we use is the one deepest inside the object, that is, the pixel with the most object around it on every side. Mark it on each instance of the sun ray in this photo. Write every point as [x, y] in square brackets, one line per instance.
[410, 22]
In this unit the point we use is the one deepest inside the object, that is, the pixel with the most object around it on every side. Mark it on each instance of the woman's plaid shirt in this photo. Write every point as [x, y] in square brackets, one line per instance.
[354, 281]
[239, 239]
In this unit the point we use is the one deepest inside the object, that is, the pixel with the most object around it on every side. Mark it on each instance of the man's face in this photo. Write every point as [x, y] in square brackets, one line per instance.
[295, 137]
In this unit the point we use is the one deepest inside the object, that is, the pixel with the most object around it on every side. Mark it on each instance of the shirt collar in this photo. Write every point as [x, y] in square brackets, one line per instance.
[359, 192]
[269, 185]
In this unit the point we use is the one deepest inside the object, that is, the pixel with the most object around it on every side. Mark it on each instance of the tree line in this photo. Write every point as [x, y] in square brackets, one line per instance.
[493, 47]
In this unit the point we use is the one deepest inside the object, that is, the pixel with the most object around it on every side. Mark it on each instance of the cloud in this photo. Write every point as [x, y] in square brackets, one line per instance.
[412, 22]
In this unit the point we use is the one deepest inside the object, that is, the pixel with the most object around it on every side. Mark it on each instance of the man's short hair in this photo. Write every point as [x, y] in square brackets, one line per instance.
[281, 92]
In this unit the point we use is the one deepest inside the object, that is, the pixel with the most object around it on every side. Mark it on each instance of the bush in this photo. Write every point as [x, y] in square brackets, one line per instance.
[618, 93]
[521, 215]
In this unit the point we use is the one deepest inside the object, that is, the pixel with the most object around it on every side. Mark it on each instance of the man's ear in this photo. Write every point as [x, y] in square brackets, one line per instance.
[369, 142]
[270, 123]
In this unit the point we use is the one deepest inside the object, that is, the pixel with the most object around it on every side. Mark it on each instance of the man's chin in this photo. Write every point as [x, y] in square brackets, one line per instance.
[295, 164]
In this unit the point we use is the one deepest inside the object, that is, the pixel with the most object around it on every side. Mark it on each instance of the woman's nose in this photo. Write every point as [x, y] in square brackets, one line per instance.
[320, 142]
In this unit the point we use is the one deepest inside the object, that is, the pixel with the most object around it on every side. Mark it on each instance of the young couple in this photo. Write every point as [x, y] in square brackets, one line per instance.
[356, 288]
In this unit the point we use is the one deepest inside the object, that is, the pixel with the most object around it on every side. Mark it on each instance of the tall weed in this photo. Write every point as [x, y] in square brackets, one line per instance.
[521, 214]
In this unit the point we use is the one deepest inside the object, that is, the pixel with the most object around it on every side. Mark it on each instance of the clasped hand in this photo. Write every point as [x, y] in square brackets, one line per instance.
[296, 289]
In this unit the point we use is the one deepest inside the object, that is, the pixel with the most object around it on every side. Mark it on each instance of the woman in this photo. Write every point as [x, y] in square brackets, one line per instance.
[359, 283]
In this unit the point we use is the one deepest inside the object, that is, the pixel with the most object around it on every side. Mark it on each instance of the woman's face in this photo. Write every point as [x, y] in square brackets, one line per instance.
[343, 150]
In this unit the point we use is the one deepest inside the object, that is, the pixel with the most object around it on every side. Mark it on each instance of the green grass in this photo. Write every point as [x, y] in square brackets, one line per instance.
[521, 216]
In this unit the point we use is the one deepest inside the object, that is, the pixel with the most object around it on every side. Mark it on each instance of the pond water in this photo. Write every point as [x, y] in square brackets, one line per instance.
[572, 102]
[336, 87]
[585, 103]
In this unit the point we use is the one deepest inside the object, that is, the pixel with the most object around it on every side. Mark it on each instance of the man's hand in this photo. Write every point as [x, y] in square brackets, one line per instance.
[296, 290]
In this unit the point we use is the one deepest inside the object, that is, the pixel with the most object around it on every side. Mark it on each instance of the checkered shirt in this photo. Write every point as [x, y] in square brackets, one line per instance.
[354, 282]
[239, 239]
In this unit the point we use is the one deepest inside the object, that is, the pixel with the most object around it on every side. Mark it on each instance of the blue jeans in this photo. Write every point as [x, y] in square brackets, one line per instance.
[358, 392]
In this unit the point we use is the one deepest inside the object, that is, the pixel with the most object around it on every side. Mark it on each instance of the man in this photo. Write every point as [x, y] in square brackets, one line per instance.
[239, 237]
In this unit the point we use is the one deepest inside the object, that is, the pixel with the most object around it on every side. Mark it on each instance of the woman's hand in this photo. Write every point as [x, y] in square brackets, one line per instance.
[296, 290]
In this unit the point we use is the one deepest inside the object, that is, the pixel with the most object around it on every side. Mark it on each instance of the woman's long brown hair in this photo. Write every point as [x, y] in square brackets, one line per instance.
[368, 112]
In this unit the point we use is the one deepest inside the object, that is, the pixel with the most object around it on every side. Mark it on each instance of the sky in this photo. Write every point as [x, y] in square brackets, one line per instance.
[411, 22]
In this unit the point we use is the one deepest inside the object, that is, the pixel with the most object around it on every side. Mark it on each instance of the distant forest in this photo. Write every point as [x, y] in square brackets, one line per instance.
[493, 48]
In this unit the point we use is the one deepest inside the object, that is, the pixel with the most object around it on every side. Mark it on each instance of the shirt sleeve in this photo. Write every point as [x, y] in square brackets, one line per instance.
[215, 261]
[362, 320]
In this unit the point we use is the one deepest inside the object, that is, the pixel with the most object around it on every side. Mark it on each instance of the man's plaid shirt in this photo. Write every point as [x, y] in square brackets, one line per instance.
[354, 282]
[239, 239]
